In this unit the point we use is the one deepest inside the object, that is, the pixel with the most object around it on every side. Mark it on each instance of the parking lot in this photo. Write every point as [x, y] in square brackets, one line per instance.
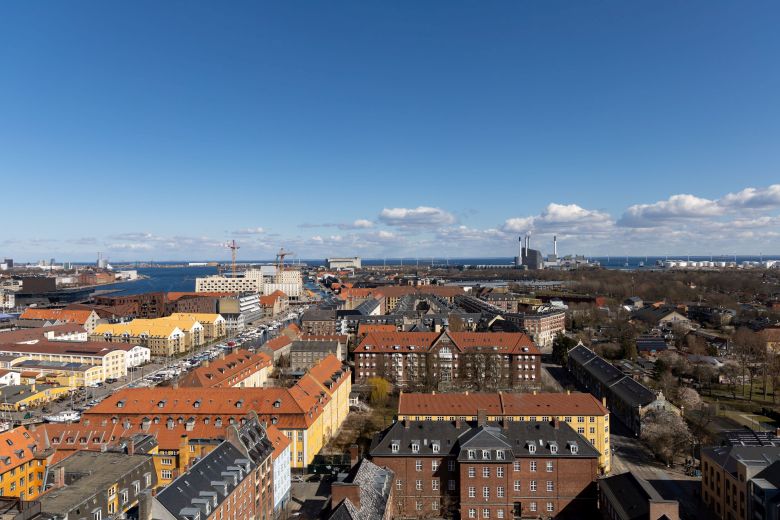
[161, 370]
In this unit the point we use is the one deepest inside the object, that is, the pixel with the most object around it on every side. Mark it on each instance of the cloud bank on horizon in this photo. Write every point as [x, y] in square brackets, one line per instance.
[747, 221]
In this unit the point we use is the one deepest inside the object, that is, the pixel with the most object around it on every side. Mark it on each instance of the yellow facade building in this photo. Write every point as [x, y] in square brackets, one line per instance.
[22, 464]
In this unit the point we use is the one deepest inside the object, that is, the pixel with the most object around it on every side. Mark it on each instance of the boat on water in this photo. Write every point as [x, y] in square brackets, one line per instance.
[63, 416]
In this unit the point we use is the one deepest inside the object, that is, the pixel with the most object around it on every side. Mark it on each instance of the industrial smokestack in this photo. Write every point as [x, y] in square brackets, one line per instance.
[555, 245]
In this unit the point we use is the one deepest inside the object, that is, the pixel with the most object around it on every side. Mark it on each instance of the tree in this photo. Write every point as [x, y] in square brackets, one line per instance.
[751, 355]
[730, 372]
[689, 399]
[666, 433]
[560, 349]
[380, 390]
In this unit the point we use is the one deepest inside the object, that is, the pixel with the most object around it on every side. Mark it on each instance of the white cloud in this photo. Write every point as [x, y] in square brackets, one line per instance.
[676, 207]
[362, 223]
[753, 198]
[250, 231]
[422, 216]
[568, 219]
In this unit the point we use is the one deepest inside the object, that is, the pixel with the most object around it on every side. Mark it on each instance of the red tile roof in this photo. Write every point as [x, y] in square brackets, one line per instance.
[366, 328]
[70, 316]
[278, 440]
[504, 342]
[278, 343]
[228, 371]
[500, 404]
[15, 448]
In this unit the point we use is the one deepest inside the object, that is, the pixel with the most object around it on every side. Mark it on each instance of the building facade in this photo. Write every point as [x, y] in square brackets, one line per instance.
[488, 470]
[457, 360]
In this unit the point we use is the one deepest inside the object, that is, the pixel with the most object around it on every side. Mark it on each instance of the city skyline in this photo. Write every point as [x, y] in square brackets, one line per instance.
[151, 131]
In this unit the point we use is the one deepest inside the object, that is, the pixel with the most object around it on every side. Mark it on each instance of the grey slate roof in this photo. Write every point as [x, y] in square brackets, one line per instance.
[455, 438]
[632, 392]
[728, 456]
[629, 495]
[375, 485]
[210, 477]
[319, 314]
[652, 315]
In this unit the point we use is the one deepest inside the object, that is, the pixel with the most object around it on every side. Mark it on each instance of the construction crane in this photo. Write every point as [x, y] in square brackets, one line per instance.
[233, 246]
[280, 262]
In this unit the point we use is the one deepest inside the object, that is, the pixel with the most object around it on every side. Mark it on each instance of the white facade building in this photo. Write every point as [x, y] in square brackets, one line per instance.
[8, 377]
[344, 263]
[138, 356]
[282, 479]
[7, 299]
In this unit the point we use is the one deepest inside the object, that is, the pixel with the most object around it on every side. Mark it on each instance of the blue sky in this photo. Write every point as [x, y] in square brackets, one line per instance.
[151, 130]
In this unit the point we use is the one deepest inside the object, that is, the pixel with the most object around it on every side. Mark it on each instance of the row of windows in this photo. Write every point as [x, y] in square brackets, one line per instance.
[532, 486]
[500, 512]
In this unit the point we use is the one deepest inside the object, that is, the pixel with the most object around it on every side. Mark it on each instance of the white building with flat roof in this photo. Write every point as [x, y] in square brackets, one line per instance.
[344, 263]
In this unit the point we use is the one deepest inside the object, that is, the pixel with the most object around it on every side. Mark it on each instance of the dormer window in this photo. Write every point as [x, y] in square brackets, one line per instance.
[553, 448]
[435, 447]
[499, 454]
[531, 448]
[394, 447]
[472, 454]
[485, 454]
[574, 448]
[415, 447]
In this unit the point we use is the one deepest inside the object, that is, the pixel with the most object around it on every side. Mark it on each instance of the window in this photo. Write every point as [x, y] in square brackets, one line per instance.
[500, 471]
[533, 465]
[434, 465]
[394, 447]
[147, 479]
[399, 484]
[532, 448]
[451, 465]
[418, 465]
[97, 514]
[549, 485]
[486, 471]
[553, 448]
[415, 447]
[549, 467]
[418, 485]
[136, 487]
[592, 419]
[485, 454]
[581, 430]
[580, 419]
[167, 462]
[532, 506]
[419, 505]
[486, 513]
[500, 513]
[516, 465]
[500, 491]
[485, 492]
[435, 448]
[567, 419]
[517, 485]
[124, 496]
[532, 485]
[472, 492]
[435, 484]
[451, 485]
[500, 455]
[472, 454]
[435, 505]
[592, 430]
[550, 507]
[166, 474]
[472, 513]
[472, 472]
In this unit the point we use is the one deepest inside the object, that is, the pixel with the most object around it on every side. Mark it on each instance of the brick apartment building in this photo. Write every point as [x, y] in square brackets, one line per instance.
[488, 470]
[431, 360]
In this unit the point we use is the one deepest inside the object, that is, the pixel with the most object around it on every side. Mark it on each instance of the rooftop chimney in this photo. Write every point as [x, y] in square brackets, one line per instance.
[481, 417]
[555, 423]
[354, 455]
[343, 490]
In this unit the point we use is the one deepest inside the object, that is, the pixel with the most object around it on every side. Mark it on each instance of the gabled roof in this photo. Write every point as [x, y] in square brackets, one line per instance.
[62, 315]
[500, 404]
[498, 342]
[375, 485]
[238, 365]
[630, 495]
